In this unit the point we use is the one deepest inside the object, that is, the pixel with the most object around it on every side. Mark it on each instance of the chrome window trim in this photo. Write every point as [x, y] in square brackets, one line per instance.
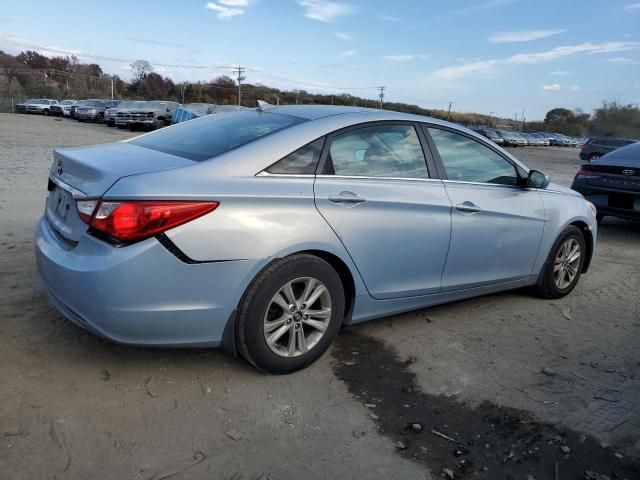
[264, 173]
[362, 177]
[463, 182]
[75, 193]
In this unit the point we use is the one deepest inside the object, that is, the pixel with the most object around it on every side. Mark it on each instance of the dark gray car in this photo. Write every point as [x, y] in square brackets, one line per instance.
[597, 147]
[94, 109]
[150, 115]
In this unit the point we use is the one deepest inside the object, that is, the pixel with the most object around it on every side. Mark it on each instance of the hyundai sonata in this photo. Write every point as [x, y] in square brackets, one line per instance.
[264, 230]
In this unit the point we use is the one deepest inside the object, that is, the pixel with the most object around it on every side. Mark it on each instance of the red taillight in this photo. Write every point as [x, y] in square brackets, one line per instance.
[587, 173]
[130, 221]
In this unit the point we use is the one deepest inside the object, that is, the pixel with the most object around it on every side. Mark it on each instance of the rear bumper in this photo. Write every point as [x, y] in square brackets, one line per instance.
[87, 116]
[140, 294]
[600, 197]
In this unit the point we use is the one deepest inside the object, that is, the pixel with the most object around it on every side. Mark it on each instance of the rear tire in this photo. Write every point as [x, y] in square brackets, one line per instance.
[271, 317]
[562, 269]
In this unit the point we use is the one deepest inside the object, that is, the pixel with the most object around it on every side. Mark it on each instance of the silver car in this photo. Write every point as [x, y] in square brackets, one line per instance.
[264, 230]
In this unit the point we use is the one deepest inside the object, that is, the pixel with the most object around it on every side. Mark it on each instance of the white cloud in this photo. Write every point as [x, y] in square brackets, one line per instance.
[559, 88]
[398, 58]
[343, 36]
[632, 6]
[487, 66]
[324, 10]
[389, 18]
[522, 36]
[348, 53]
[624, 61]
[479, 7]
[235, 3]
[227, 9]
[479, 67]
[559, 73]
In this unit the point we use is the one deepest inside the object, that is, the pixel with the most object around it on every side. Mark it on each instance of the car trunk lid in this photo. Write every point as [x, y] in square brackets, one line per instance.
[88, 172]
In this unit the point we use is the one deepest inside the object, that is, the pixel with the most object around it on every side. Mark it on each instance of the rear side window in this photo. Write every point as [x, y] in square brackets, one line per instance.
[302, 161]
[208, 137]
[378, 151]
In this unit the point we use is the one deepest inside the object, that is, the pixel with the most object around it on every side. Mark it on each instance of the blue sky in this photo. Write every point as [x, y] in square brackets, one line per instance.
[499, 56]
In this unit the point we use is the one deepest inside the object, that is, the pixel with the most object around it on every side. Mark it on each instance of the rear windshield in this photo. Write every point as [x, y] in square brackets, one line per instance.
[208, 137]
[95, 103]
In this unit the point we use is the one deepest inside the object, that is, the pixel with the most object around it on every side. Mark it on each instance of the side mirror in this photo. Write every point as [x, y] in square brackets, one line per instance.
[537, 179]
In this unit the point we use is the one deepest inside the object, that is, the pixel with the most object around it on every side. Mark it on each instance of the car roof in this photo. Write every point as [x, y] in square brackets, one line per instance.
[629, 154]
[318, 112]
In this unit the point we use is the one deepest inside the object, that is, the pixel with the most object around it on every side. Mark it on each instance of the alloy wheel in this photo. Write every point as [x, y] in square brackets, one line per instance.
[297, 317]
[566, 263]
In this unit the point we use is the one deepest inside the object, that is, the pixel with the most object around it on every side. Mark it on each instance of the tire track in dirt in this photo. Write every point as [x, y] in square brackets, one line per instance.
[457, 441]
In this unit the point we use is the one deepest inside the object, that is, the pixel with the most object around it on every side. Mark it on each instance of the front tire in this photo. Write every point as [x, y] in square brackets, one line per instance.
[564, 265]
[290, 314]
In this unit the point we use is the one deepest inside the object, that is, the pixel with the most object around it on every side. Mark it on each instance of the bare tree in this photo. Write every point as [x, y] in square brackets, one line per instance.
[140, 69]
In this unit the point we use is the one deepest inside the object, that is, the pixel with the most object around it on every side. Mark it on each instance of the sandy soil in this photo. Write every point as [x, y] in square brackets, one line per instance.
[75, 406]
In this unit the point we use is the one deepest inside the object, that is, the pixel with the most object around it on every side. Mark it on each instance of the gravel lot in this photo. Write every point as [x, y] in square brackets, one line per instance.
[520, 386]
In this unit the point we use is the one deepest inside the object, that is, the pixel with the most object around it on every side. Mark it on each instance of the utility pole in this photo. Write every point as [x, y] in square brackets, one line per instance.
[449, 112]
[522, 125]
[45, 79]
[381, 90]
[111, 78]
[240, 71]
[184, 87]
[491, 118]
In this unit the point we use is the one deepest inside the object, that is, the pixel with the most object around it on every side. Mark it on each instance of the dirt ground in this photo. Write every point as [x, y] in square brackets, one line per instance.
[505, 386]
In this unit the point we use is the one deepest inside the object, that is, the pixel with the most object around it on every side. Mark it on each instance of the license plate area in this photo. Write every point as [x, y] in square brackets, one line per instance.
[60, 204]
[621, 200]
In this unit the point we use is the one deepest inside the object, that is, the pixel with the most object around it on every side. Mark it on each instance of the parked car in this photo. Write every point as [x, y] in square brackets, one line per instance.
[59, 109]
[41, 106]
[510, 139]
[111, 114]
[596, 147]
[491, 135]
[151, 115]
[94, 109]
[612, 182]
[521, 140]
[196, 110]
[532, 140]
[75, 106]
[22, 107]
[263, 231]
[543, 140]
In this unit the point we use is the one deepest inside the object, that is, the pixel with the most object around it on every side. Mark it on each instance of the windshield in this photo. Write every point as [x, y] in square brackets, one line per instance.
[211, 136]
[67, 102]
[95, 103]
[130, 104]
[158, 105]
[492, 134]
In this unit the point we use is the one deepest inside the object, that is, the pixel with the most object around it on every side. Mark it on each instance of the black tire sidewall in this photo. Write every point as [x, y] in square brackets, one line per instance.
[569, 232]
[251, 314]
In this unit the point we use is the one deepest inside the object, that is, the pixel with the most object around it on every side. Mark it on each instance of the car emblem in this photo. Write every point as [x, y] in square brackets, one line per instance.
[59, 169]
[629, 172]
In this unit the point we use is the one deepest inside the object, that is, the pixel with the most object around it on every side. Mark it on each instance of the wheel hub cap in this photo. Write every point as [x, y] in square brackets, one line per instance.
[297, 317]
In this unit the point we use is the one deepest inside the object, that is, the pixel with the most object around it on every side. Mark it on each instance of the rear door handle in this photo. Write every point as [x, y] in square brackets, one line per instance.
[468, 207]
[347, 198]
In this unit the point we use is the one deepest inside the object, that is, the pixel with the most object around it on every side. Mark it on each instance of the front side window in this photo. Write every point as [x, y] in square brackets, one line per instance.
[378, 151]
[207, 137]
[302, 161]
[466, 160]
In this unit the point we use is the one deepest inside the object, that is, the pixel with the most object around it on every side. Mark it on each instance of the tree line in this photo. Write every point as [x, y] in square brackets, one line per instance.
[31, 74]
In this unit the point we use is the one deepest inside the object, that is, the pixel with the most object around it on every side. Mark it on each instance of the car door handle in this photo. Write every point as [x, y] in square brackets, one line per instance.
[468, 207]
[347, 198]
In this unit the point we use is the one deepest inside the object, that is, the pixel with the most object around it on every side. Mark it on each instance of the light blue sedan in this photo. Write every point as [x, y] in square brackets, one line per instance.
[264, 230]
